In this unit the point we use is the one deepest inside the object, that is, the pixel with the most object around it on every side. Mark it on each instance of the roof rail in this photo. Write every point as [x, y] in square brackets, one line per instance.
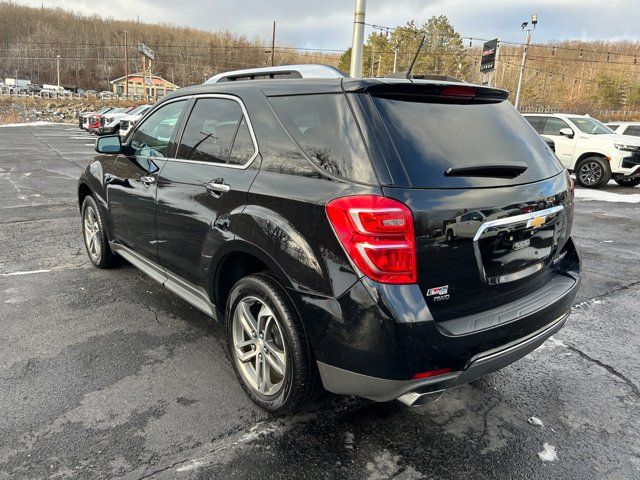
[281, 71]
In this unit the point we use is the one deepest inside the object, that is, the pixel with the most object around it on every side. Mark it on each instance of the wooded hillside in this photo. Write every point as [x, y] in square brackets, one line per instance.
[575, 76]
[571, 75]
[92, 48]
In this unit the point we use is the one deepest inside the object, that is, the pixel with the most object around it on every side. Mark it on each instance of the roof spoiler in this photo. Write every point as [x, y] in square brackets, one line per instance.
[459, 91]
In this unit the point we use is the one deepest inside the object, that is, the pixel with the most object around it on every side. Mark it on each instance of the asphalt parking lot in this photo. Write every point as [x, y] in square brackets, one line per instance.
[104, 374]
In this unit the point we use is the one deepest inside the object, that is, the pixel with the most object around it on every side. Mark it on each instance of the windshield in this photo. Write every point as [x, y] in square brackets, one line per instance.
[138, 109]
[590, 125]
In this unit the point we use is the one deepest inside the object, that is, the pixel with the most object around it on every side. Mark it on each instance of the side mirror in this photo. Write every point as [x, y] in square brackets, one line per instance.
[108, 144]
[566, 132]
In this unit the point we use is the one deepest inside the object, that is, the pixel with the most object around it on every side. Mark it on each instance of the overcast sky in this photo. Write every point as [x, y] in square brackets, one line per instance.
[328, 23]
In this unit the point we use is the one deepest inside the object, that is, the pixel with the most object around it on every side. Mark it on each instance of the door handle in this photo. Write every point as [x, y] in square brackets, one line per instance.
[217, 186]
[148, 179]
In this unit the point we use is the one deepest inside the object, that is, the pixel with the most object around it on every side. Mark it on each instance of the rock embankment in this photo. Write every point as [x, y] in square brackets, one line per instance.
[21, 109]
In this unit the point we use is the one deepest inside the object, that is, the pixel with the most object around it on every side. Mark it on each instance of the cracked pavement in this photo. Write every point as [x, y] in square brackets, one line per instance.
[103, 374]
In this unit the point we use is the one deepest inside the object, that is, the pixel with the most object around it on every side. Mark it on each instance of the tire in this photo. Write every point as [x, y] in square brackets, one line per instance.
[94, 235]
[628, 182]
[450, 236]
[276, 341]
[593, 172]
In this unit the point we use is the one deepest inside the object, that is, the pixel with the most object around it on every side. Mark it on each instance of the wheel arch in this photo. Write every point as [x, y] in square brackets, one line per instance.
[242, 260]
[590, 154]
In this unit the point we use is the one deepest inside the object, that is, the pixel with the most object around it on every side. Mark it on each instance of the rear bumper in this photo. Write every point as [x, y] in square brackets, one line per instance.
[374, 339]
[416, 392]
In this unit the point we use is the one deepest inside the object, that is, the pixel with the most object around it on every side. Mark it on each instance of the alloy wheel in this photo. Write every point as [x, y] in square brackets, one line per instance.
[258, 345]
[591, 173]
[92, 233]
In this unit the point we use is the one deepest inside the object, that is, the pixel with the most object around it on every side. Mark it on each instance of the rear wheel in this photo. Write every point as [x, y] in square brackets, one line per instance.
[95, 238]
[268, 347]
[628, 182]
[593, 172]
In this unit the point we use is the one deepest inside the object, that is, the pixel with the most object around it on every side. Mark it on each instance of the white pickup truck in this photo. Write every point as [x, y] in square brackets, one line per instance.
[590, 149]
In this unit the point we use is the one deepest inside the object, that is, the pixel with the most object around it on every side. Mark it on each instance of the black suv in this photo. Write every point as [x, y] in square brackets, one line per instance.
[325, 222]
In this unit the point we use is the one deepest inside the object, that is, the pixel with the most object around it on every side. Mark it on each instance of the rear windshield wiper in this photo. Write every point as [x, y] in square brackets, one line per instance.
[510, 170]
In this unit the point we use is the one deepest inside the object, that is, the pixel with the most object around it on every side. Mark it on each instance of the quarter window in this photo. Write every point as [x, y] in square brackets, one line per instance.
[323, 126]
[212, 128]
[152, 138]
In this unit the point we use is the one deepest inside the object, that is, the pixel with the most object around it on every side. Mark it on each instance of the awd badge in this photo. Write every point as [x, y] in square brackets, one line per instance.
[439, 293]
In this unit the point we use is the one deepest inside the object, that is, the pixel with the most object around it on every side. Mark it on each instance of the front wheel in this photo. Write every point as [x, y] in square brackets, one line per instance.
[593, 172]
[95, 237]
[628, 182]
[268, 347]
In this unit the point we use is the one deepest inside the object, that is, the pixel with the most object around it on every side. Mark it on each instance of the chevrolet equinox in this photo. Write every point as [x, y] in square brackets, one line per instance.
[384, 238]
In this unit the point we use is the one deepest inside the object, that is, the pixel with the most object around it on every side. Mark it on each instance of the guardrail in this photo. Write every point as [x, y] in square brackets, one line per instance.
[598, 113]
[5, 92]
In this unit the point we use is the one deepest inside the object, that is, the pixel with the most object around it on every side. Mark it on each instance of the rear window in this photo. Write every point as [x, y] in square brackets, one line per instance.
[434, 137]
[324, 127]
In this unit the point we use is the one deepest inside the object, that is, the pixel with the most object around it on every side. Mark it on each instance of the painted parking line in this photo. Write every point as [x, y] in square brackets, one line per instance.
[28, 272]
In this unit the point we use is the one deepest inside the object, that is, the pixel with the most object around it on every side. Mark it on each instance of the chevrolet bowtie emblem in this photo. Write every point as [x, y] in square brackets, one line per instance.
[536, 222]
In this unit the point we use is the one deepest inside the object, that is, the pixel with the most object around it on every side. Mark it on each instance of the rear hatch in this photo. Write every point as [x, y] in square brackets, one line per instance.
[492, 205]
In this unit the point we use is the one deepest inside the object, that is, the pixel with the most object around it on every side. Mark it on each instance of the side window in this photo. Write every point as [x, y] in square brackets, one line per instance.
[211, 129]
[633, 130]
[536, 122]
[553, 126]
[323, 126]
[152, 138]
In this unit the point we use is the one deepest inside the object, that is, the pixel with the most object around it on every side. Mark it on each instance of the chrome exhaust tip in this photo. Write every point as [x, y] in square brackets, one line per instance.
[415, 399]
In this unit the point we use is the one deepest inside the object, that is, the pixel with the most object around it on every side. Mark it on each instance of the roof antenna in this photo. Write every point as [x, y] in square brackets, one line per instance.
[415, 57]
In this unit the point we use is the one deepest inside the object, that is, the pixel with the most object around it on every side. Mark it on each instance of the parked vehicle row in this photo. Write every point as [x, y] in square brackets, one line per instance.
[107, 120]
[590, 149]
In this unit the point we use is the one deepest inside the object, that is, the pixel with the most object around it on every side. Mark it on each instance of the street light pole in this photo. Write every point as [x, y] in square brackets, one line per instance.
[58, 69]
[528, 29]
[358, 37]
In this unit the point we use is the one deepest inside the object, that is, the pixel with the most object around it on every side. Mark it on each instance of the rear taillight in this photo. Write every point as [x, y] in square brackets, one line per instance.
[377, 234]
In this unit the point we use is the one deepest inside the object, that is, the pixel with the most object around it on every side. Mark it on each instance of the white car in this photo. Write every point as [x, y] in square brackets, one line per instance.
[128, 121]
[625, 128]
[590, 149]
[110, 121]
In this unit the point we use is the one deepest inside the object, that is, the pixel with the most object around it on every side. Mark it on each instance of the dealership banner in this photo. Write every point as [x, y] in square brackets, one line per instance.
[489, 52]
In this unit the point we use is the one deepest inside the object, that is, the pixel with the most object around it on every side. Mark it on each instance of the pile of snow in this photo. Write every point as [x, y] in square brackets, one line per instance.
[548, 454]
[29, 124]
[604, 196]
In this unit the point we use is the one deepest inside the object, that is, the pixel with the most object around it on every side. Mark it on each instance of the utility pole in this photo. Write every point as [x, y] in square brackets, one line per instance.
[358, 37]
[273, 44]
[528, 29]
[58, 69]
[126, 66]
[395, 58]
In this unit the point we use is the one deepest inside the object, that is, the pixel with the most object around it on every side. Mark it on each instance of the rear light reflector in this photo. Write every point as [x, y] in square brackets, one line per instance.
[377, 234]
[431, 373]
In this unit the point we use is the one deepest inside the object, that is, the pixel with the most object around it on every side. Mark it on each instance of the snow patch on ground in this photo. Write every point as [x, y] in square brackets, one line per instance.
[348, 440]
[586, 303]
[603, 196]
[548, 454]
[29, 124]
[535, 421]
